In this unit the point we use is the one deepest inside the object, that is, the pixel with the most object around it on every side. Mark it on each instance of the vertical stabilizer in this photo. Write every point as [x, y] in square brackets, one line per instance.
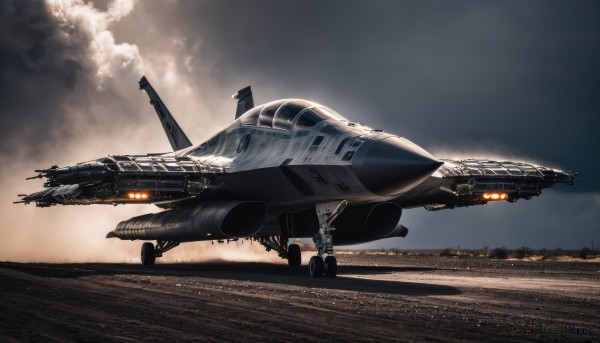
[244, 101]
[175, 134]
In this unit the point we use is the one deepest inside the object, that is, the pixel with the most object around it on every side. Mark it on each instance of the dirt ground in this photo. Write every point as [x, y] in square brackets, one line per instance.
[374, 298]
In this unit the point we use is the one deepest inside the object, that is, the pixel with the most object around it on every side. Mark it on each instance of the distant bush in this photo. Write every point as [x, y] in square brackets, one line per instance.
[485, 251]
[546, 256]
[499, 253]
[558, 252]
[471, 253]
[523, 252]
[584, 252]
[448, 252]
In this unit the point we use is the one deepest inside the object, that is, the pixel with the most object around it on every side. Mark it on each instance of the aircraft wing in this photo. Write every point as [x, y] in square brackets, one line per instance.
[163, 180]
[470, 182]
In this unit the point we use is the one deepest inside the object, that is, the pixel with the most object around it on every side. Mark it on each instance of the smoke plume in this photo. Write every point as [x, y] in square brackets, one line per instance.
[68, 93]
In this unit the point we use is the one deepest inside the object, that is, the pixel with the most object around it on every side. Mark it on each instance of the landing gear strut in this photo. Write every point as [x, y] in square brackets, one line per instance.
[319, 266]
[151, 252]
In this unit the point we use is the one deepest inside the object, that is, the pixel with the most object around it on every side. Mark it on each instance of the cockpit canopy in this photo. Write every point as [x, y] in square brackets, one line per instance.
[289, 114]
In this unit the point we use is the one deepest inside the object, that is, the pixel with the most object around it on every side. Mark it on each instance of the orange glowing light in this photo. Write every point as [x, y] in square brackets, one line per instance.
[495, 196]
[137, 195]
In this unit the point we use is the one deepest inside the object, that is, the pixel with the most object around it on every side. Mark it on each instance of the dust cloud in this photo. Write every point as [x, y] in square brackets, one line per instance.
[71, 95]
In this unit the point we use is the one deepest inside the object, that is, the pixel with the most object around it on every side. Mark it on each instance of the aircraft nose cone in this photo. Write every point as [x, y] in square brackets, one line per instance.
[393, 165]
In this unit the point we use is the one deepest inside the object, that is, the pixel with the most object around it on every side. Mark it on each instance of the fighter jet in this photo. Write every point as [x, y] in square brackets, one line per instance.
[286, 169]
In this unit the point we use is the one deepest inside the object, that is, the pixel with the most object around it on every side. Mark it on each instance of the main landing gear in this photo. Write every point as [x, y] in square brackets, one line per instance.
[151, 252]
[290, 252]
[319, 266]
[294, 256]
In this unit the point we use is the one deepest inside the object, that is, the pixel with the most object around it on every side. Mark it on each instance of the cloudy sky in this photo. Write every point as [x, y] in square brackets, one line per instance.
[506, 79]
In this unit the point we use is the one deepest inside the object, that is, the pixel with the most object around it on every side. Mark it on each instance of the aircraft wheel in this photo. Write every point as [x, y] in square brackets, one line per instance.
[148, 254]
[316, 266]
[294, 255]
[330, 266]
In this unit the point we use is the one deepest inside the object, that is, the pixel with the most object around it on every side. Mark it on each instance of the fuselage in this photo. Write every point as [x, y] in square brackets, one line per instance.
[311, 156]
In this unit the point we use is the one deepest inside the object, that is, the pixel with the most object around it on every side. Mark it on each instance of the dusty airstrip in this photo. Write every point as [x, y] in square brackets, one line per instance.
[374, 298]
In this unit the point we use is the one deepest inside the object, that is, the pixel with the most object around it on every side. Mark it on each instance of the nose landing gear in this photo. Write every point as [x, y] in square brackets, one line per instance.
[327, 213]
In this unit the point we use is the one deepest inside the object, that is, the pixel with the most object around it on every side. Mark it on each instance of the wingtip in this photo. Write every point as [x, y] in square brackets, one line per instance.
[573, 176]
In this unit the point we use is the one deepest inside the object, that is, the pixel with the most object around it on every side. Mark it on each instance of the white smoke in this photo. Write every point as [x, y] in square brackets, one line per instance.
[101, 113]
[170, 67]
[84, 19]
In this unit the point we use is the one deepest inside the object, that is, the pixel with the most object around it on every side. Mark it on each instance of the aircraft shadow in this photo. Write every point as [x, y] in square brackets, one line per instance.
[251, 271]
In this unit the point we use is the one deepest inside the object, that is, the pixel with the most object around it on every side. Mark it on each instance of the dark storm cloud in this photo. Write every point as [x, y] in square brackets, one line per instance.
[50, 78]
[31, 43]
[520, 77]
[37, 69]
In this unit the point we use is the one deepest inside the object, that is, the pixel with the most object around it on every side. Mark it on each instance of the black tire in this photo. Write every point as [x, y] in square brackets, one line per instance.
[148, 254]
[316, 266]
[294, 256]
[330, 266]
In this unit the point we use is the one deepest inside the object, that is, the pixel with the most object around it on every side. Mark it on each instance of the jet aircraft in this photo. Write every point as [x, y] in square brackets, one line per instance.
[286, 169]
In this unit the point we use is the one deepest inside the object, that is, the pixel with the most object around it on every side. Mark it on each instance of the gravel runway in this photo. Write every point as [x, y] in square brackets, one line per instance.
[374, 298]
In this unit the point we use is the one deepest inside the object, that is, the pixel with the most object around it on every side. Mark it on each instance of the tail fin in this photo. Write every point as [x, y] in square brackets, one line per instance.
[244, 101]
[175, 134]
